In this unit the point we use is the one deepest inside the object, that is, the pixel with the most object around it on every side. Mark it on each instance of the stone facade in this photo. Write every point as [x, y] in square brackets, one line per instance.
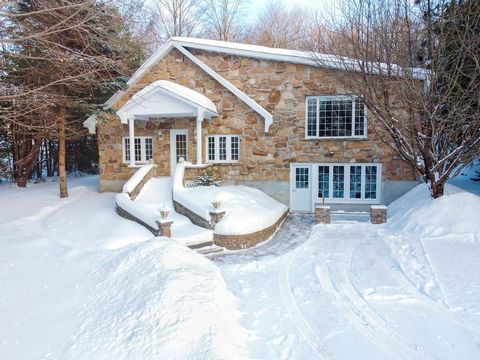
[280, 88]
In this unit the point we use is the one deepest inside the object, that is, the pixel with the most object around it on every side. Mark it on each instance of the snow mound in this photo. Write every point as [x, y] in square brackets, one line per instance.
[417, 212]
[159, 300]
[247, 209]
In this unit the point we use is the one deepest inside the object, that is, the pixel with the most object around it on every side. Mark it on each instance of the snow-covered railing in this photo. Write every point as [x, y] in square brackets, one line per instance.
[135, 184]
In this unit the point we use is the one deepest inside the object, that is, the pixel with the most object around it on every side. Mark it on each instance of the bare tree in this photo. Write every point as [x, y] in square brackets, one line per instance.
[223, 19]
[419, 76]
[176, 18]
[280, 27]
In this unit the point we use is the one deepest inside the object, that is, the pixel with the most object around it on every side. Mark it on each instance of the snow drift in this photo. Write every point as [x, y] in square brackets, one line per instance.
[159, 300]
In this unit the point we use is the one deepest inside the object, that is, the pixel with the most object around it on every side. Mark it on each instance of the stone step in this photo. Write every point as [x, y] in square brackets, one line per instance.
[200, 245]
[212, 249]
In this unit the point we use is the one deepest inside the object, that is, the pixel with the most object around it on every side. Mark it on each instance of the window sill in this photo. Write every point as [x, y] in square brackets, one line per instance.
[356, 138]
[348, 201]
[224, 163]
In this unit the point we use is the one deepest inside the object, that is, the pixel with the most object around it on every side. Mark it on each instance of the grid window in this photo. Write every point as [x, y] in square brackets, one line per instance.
[143, 149]
[222, 145]
[148, 148]
[211, 148]
[335, 116]
[223, 148]
[338, 182]
[301, 178]
[138, 149]
[370, 182]
[323, 181]
[312, 117]
[181, 146]
[234, 148]
[355, 182]
[127, 148]
[347, 182]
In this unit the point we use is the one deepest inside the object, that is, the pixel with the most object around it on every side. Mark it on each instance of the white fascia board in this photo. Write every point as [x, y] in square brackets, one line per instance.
[228, 85]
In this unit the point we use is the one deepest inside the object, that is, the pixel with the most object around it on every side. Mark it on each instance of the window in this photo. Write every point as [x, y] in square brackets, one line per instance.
[223, 148]
[348, 182]
[301, 177]
[335, 116]
[143, 149]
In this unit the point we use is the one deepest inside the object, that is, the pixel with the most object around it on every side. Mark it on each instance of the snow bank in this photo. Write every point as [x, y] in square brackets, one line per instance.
[247, 209]
[159, 300]
[136, 178]
[416, 212]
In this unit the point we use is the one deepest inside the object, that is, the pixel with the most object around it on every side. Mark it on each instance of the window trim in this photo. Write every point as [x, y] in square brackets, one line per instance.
[228, 159]
[143, 149]
[341, 97]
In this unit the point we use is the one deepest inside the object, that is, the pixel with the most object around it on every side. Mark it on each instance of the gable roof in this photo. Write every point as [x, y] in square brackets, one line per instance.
[151, 101]
[259, 52]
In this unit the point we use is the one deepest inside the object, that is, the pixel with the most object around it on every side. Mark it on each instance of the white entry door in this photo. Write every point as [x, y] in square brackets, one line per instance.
[301, 188]
[178, 147]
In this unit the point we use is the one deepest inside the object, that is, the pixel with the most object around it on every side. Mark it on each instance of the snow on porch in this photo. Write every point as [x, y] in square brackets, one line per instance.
[158, 192]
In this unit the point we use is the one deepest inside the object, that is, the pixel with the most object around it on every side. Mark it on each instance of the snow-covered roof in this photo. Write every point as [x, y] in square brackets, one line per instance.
[180, 101]
[259, 52]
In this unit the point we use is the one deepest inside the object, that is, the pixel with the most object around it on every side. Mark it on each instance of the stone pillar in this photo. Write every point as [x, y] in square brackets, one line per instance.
[322, 214]
[200, 116]
[215, 216]
[131, 136]
[378, 214]
[165, 227]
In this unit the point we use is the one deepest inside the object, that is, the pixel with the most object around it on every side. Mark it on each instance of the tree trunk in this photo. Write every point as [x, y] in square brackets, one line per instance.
[61, 154]
[437, 189]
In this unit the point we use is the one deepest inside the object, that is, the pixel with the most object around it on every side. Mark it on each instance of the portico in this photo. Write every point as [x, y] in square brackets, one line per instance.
[165, 99]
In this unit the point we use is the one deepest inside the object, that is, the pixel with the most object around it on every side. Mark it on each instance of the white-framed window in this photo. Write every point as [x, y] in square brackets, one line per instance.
[223, 148]
[347, 183]
[336, 116]
[143, 149]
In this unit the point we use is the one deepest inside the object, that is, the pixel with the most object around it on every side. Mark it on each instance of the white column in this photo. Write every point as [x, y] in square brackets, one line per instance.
[131, 136]
[200, 115]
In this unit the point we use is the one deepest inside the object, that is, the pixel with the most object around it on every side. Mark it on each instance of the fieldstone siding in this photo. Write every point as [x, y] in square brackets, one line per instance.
[279, 87]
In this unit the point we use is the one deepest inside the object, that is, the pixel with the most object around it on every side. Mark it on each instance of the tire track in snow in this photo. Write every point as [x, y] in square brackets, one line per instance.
[422, 298]
[365, 320]
[379, 322]
[295, 314]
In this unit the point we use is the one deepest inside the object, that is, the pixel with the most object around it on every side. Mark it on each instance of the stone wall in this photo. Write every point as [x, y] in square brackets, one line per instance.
[279, 87]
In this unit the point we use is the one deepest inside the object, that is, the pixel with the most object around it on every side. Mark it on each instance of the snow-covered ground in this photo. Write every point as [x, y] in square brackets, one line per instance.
[408, 289]
[77, 281]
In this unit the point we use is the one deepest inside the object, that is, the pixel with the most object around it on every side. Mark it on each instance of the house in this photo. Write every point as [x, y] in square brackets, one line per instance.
[270, 118]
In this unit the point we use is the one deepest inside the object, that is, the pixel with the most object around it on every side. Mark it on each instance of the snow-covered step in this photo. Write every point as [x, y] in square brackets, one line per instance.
[211, 249]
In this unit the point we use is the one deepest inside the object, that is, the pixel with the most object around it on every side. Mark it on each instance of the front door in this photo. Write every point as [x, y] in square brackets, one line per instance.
[178, 147]
[301, 188]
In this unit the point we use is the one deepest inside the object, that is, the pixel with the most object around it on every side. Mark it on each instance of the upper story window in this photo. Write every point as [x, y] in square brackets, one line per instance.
[223, 148]
[143, 149]
[335, 116]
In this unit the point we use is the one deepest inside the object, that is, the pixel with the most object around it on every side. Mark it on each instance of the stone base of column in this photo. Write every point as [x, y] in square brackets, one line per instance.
[165, 228]
[378, 214]
[215, 216]
[322, 214]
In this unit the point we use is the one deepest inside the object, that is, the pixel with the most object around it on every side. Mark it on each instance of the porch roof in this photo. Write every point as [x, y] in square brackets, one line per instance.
[166, 99]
